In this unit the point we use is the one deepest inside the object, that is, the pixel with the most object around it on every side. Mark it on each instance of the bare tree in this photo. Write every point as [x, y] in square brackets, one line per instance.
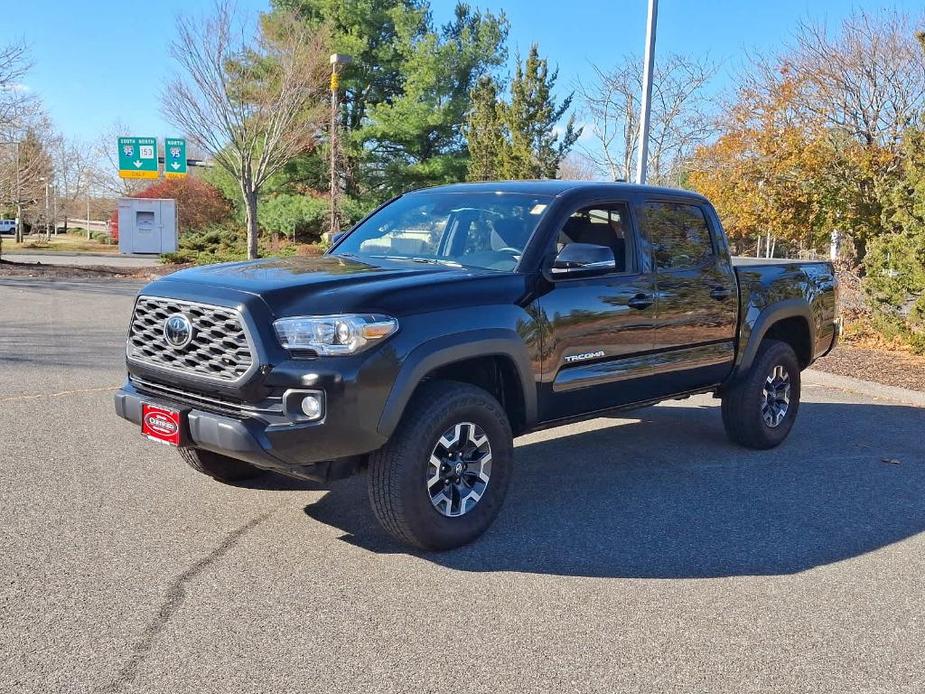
[252, 99]
[74, 173]
[866, 79]
[14, 96]
[680, 117]
[17, 107]
[577, 167]
[25, 165]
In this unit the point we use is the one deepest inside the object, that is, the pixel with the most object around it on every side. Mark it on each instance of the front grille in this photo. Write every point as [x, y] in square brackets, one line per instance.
[220, 349]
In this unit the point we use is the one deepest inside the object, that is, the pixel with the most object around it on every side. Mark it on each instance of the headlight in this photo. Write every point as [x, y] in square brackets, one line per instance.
[332, 335]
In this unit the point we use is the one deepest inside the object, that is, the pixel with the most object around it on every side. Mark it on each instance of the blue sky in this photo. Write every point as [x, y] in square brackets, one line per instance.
[98, 61]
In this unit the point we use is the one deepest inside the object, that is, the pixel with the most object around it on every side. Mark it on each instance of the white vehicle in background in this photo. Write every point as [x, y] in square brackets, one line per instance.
[7, 226]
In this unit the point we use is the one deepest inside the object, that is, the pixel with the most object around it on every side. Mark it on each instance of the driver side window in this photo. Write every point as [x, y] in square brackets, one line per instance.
[601, 225]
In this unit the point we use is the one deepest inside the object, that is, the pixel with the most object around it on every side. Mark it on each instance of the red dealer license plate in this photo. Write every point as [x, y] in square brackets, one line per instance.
[161, 424]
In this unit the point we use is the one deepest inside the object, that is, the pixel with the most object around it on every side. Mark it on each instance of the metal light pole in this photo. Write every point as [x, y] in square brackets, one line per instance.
[47, 212]
[18, 199]
[646, 107]
[338, 61]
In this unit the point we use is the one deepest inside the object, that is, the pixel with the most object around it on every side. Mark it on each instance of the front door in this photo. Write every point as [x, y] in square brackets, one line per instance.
[596, 328]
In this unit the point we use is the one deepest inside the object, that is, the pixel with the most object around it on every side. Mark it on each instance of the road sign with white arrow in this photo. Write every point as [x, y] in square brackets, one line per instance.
[174, 157]
[138, 157]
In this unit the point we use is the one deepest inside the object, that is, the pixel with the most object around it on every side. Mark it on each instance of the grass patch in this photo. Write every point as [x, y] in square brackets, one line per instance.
[64, 243]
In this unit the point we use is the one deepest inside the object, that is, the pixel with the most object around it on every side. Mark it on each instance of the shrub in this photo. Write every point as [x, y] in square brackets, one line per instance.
[297, 217]
[215, 244]
[199, 204]
[179, 258]
[895, 282]
[354, 209]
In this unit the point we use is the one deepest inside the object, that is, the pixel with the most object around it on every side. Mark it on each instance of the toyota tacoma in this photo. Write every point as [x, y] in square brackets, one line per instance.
[451, 320]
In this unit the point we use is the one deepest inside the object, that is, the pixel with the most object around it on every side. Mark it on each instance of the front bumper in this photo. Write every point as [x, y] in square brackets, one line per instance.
[266, 440]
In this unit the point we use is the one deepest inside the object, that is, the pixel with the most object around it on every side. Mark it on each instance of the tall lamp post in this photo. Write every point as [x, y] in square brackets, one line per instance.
[338, 62]
[646, 106]
[47, 212]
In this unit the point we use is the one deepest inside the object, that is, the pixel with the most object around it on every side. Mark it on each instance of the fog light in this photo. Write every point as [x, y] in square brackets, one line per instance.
[313, 406]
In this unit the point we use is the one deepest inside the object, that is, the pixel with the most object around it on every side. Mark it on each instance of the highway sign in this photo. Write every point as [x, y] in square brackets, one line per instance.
[174, 157]
[138, 157]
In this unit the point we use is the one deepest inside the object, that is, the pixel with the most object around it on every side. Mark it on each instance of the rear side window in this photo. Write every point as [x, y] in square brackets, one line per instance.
[679, 235]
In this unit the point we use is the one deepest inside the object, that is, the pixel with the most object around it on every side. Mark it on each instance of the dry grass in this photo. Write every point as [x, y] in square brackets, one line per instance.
[65, 243]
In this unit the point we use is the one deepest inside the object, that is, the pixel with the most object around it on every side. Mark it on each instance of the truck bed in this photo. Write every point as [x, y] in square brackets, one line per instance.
[804, 288]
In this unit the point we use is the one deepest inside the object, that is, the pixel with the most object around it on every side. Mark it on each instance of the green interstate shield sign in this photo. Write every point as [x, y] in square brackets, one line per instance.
[138, 157]
[174, 157]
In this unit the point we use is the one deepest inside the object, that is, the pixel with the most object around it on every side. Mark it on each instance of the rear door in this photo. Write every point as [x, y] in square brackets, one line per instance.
[696, 293]
[597, 327]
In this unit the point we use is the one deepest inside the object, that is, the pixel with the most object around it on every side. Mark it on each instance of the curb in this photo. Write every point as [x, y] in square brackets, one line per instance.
[869, 388]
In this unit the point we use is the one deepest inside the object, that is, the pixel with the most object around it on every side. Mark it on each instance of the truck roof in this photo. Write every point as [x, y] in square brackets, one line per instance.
[555, 187]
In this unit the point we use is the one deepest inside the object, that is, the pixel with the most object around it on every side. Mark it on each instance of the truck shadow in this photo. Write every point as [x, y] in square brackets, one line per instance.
[664, 495]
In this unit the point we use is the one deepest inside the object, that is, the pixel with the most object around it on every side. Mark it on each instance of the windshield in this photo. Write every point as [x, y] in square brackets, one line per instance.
[484, 230]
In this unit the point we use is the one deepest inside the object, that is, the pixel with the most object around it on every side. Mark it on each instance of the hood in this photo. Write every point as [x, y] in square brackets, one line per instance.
[336, 284]
[271, 274]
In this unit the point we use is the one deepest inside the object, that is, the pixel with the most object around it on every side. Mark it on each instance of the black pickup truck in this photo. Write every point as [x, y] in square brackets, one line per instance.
[451, 320]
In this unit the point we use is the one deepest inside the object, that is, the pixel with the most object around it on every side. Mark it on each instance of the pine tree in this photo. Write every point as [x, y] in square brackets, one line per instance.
[519, 140]
[484, 132]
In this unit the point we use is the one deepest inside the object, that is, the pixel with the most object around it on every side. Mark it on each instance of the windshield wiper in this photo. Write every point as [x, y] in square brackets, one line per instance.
[419, 259]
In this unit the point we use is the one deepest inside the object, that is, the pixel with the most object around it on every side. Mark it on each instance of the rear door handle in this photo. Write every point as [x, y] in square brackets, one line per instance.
[720, 293]
[640, 301]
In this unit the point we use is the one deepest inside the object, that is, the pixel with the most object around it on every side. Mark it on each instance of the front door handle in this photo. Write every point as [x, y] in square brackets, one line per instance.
[640, 301]
[720, 293]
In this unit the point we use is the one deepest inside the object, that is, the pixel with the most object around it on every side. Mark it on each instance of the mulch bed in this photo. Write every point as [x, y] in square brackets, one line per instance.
[10, 268]
[880, 366]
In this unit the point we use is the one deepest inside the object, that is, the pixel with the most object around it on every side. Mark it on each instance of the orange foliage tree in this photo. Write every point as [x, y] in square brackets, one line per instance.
[199, 204]
[762, 172]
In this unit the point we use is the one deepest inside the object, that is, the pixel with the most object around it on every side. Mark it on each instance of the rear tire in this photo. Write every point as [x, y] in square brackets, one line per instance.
[219, 467]
[759, 409]
[440, 480]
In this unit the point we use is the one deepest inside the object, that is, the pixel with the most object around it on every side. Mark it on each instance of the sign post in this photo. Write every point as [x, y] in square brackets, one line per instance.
[174, 157]
[138, 157]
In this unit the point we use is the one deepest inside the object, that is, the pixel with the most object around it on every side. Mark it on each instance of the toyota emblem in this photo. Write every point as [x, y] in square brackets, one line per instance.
[178, 331]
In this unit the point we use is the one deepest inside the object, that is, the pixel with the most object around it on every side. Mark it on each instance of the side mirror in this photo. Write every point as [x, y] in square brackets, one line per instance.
[337, 236]
[583, 260]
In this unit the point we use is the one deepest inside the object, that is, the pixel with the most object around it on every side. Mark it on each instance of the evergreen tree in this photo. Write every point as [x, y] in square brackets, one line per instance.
[484, 132]
[407, 92]
[519, 139]
[531, 117]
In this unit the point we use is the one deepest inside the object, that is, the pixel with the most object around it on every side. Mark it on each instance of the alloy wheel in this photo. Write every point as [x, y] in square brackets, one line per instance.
[776, 401]
[459, 469]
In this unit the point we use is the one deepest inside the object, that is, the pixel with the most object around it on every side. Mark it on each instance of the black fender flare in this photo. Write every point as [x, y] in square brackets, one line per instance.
[781, 310]
[456, 347]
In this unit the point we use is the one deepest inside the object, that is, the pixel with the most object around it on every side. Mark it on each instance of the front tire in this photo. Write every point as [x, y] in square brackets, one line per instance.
[440, 480]
[759, 410]
[219, 467]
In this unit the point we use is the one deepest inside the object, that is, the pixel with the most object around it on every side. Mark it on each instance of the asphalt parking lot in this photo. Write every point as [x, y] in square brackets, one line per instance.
[643, 553]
